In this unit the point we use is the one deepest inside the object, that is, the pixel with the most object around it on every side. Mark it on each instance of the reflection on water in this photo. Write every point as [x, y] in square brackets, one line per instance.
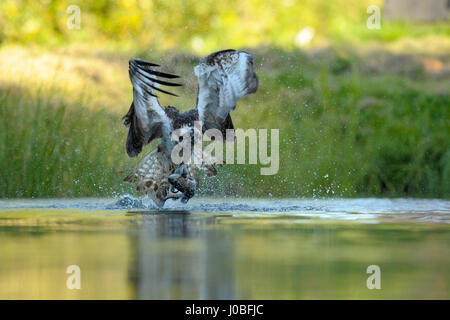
[179, 254]
[175, 256]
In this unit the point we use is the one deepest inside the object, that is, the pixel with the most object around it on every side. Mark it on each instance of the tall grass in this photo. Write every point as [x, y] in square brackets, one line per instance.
[50, 148]
[348, 127]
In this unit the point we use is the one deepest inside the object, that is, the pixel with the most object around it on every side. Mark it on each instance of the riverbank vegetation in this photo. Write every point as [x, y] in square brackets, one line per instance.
[360, 112]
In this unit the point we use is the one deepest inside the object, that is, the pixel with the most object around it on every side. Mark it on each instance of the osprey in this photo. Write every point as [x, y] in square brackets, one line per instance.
[223, 78]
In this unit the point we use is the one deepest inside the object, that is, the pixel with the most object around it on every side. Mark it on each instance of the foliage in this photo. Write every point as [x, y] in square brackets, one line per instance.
[199, 26]
[351, 124]
[49, 148]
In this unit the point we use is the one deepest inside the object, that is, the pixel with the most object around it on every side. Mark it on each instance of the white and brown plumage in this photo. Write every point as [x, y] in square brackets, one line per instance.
[223, 78]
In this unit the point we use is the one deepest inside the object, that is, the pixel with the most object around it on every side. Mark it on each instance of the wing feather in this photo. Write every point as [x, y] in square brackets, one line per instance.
[224, 77]
[146, 119]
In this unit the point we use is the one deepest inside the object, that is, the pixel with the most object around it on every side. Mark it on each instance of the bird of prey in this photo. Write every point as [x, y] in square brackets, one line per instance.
[223, 78]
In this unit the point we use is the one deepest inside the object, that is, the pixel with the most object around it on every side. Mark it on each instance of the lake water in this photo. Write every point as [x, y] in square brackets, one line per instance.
[225, 249]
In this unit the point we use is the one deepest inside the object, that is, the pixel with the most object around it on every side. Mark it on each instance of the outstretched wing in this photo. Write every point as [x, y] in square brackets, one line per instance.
[223, 78]
[146, 118]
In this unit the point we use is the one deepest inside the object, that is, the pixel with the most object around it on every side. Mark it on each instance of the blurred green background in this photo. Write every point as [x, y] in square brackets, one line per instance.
[361, 112]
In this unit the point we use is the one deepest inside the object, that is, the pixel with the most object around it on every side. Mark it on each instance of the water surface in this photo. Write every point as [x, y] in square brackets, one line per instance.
[225, 249]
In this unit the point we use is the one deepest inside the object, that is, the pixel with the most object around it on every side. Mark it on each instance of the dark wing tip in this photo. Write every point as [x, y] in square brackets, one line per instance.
[166, 92]
[163, 74]
[141, 69]
[143, 62]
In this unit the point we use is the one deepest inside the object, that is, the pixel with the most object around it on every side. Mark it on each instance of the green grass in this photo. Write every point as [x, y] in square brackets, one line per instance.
[390, 31]
[348, 127]
[346, 131]
[49, 148]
